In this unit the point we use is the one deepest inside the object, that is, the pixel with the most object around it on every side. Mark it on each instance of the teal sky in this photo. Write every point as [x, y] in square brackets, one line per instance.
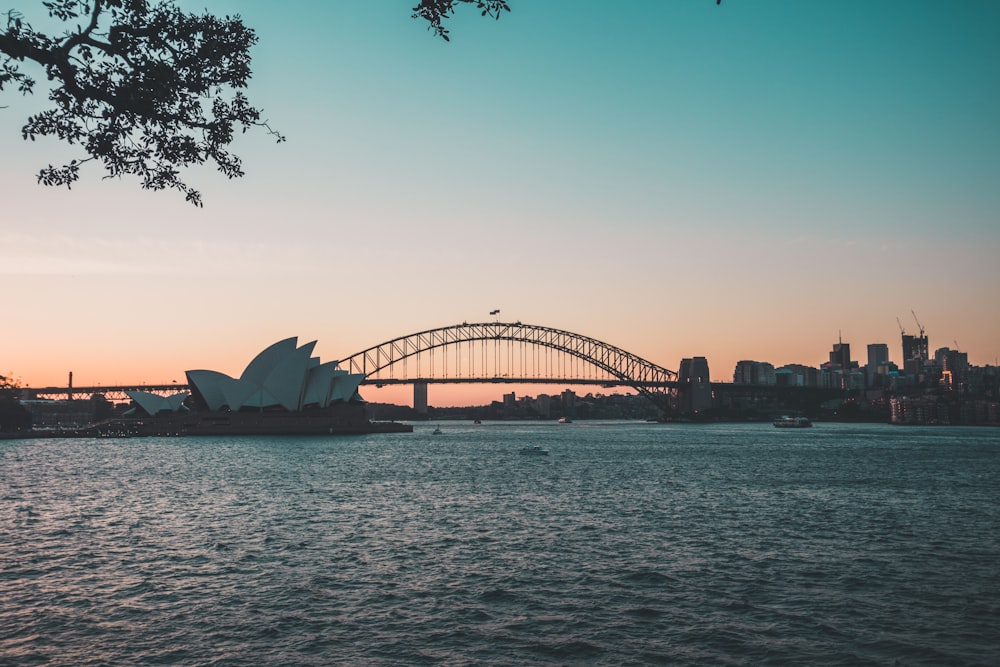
[676, 178]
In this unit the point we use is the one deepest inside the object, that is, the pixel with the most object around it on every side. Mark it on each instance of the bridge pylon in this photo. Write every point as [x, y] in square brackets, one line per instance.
[420, 398]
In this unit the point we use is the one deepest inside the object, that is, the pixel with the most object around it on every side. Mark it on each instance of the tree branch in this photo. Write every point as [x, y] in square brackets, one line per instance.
[163, 92]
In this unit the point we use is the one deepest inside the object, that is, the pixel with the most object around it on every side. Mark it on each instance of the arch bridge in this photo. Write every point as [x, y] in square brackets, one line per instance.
[484, 352]
[509, 352]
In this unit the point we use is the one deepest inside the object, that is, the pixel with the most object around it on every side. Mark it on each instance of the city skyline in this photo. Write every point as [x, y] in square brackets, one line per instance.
[678, 180]
[842, 358]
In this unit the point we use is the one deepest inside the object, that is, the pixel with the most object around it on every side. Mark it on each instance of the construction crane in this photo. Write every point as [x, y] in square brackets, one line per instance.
[901, 329]
[919, 325]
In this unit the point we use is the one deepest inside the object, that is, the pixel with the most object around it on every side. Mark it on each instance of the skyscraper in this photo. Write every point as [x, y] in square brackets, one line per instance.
[915, 347]
[878, 353]
[841, 354]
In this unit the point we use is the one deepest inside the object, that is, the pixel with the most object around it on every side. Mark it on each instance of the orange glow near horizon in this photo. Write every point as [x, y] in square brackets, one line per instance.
[114, 361]
[471, 395]
[654, 199]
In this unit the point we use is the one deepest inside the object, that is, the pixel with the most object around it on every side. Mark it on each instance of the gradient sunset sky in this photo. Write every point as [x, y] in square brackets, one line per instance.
[676, 178]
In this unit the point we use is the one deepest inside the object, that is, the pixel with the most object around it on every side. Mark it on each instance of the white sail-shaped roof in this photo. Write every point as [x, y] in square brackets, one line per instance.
[263, 364]
[209, 385]
[154, 403]
[282, 375]
[237, 392]
[319, 383]
[260, 398]
[287, 380]
[345, 386]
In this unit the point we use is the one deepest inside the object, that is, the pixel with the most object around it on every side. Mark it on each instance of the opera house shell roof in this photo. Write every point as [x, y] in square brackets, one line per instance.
[283, 391]
[154, 404]
[282, 376]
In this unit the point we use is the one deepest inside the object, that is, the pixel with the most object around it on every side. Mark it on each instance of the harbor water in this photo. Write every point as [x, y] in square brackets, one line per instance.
[629, 544]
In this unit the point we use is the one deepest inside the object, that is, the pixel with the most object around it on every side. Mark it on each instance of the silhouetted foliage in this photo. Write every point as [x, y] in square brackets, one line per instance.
[436, 11]
[142, 87]
[13, 415]
[146, 89]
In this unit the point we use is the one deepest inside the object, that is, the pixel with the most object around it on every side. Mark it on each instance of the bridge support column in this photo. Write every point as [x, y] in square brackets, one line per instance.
[694, 393]
[420, 398]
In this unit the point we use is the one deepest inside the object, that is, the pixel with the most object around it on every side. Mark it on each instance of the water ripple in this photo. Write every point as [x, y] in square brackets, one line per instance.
[633, 544]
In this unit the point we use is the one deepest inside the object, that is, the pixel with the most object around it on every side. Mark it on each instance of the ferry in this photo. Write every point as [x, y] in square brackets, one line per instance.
[792, 422]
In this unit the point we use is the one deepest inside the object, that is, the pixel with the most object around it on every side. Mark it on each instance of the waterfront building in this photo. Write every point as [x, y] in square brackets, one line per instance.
[783, 377]
[918, 410]
[284, 375]
[66, 413]
[797, 375]
[542, 405]
[568, 397]
[284, 390]
[510, 405]
[754, 372]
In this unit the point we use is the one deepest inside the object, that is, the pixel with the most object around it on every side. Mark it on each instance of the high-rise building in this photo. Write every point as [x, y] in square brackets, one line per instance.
[955, 361]
[878, 353]
[915, 347]
[915, 354]
[954, 367]
[841, 354]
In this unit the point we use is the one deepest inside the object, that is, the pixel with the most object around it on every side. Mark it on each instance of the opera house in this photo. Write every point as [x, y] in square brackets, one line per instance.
[284, 390]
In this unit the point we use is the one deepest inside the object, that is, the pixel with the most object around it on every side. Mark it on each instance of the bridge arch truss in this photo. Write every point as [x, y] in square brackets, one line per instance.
[510, 352]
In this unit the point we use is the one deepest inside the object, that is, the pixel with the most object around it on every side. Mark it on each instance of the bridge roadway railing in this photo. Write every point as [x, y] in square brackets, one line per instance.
[117, 394]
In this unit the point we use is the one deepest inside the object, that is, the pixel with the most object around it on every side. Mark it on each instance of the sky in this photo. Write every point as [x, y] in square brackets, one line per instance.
[754, 180]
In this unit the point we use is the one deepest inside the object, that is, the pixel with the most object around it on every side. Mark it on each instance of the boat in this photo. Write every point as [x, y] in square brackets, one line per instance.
[792, 422]
[436, 431]
[565, 420]
[535, 450]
